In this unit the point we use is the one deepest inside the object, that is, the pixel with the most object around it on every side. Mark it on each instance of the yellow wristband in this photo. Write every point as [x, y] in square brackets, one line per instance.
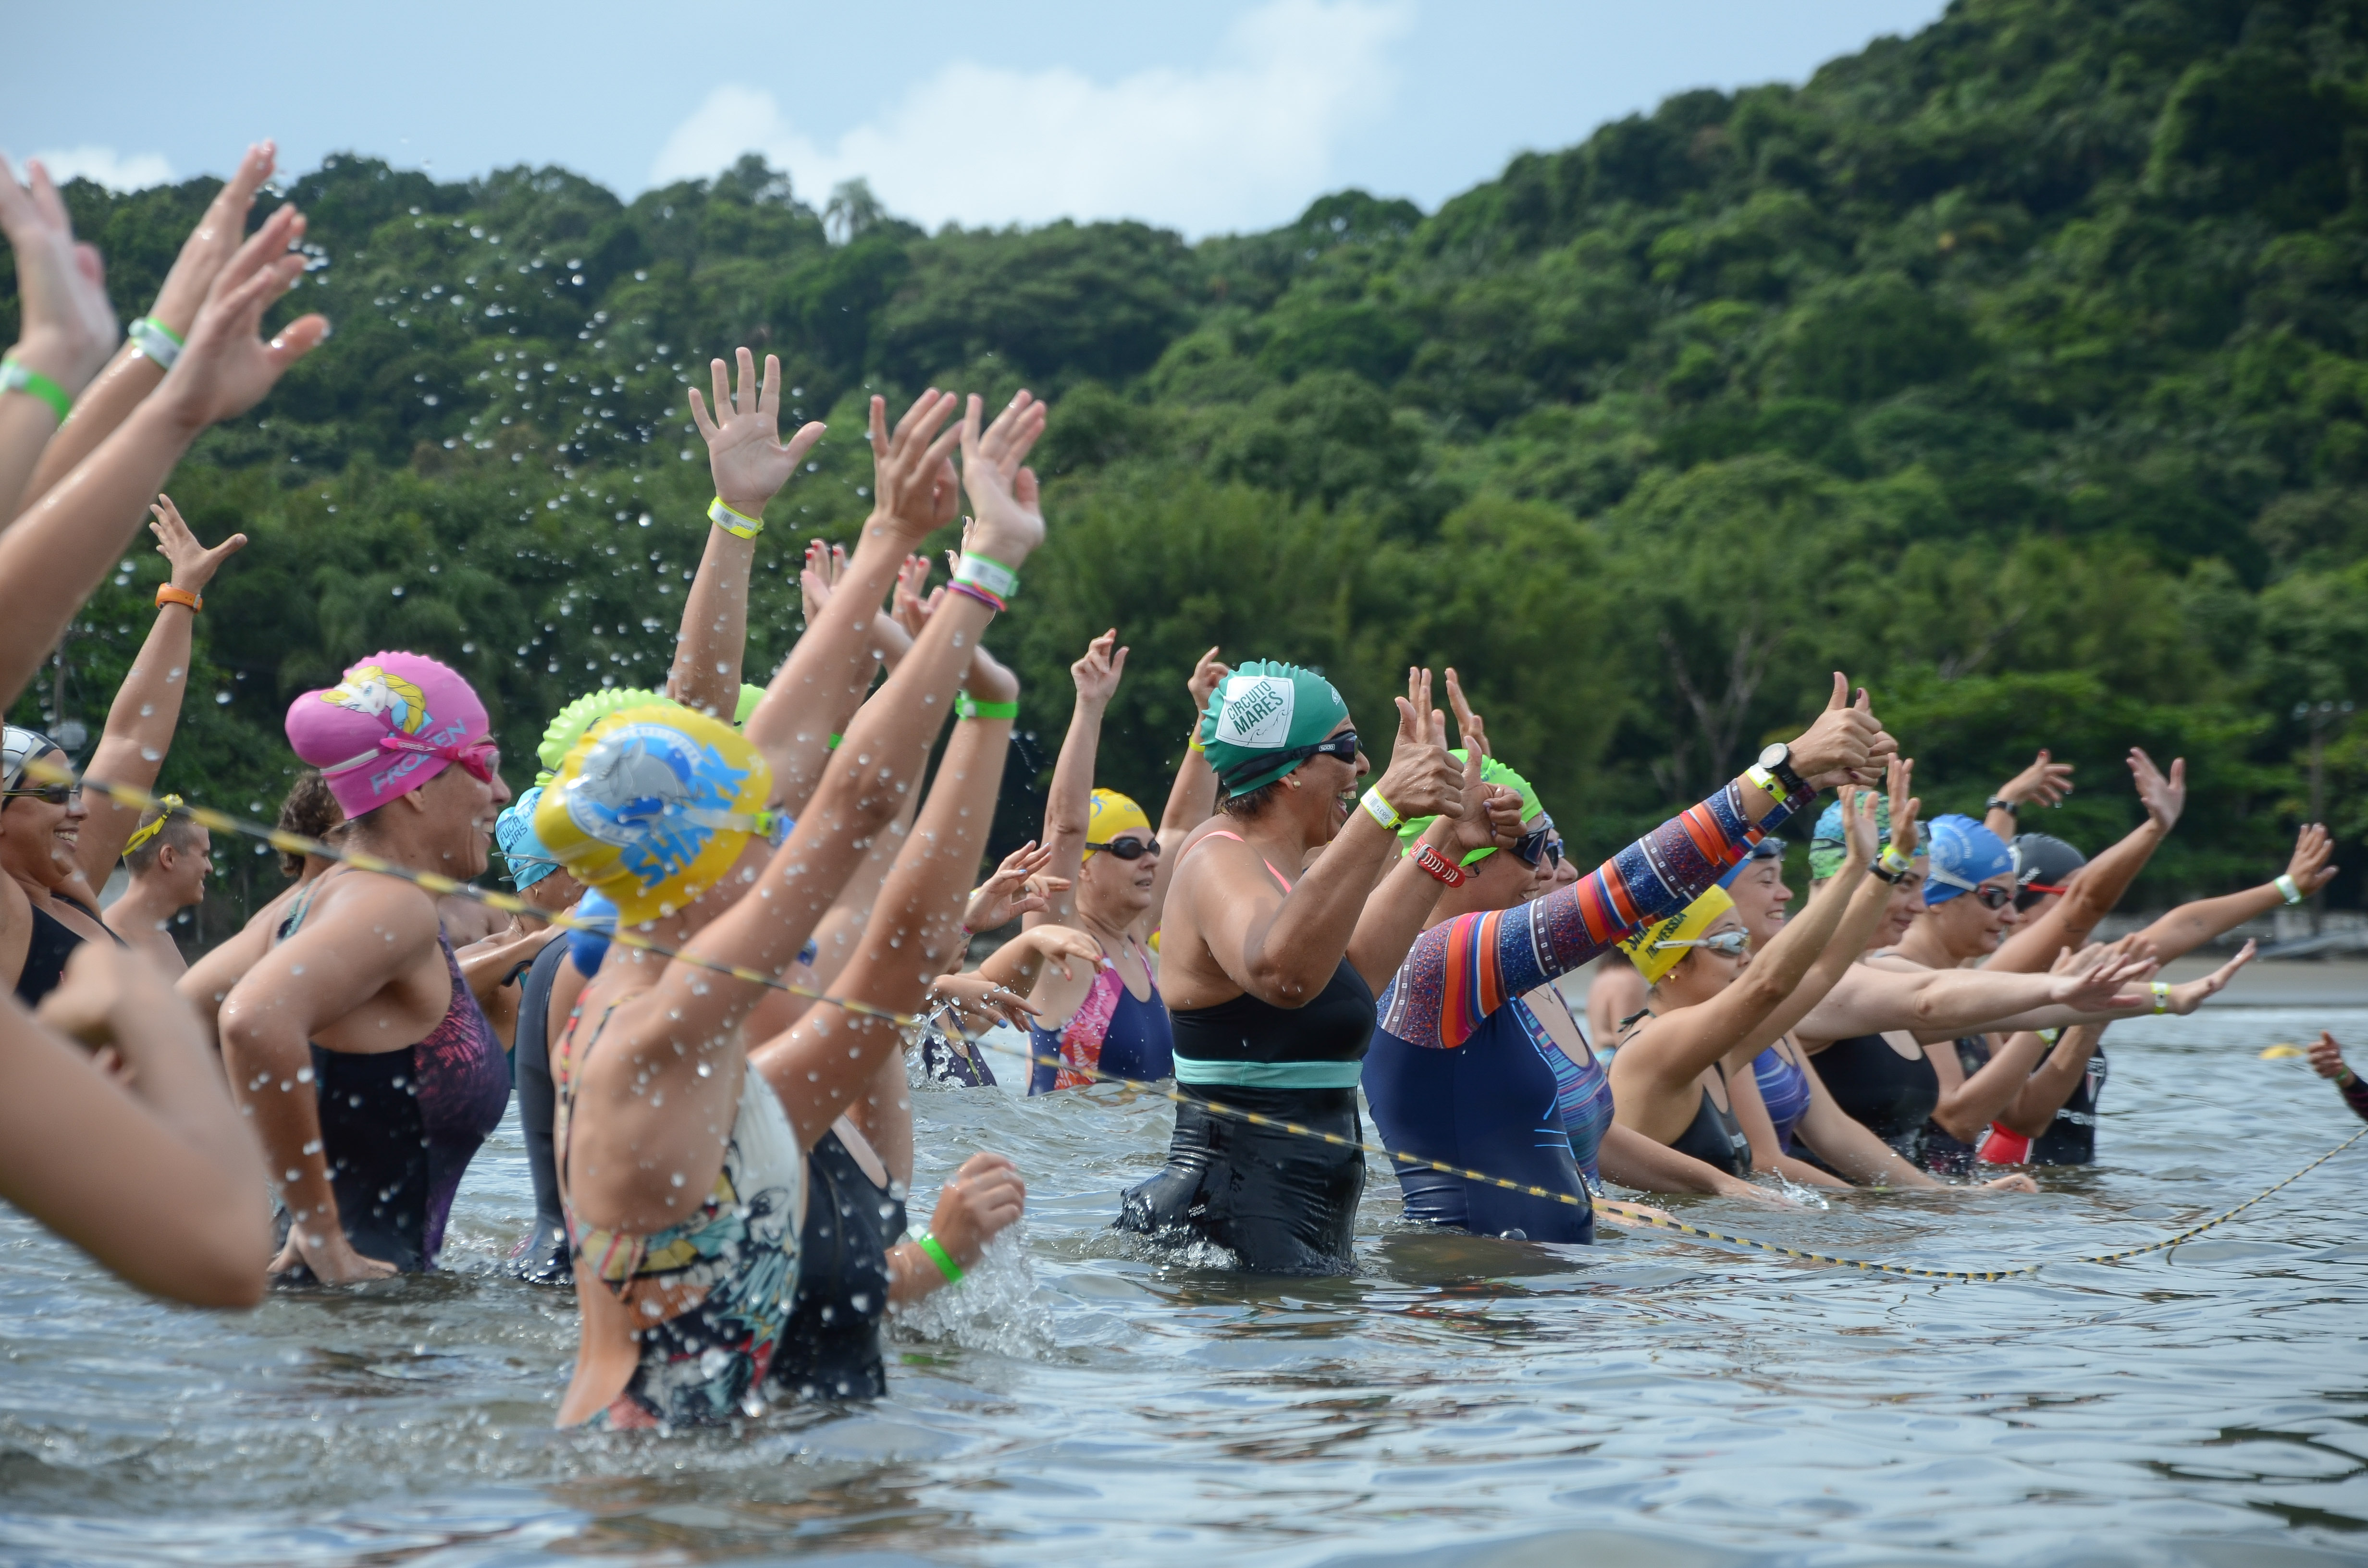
[1381, 811]
[739, 525]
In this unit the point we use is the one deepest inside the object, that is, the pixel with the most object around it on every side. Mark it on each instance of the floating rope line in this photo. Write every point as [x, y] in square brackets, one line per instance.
[1617, 1212]
[434, 882]
[1634, 1215]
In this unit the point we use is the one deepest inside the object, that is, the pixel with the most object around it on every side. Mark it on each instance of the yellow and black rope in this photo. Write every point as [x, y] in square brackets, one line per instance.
[1617, 1212]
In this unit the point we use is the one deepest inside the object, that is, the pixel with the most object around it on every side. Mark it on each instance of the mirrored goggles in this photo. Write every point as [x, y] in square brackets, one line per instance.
[1728, 942]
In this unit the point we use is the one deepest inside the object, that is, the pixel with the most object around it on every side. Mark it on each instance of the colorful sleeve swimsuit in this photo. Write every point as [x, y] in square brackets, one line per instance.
[1281, 1202]
[398, 1128]
[1461, 1071]
[714, 1293]
[1111, 1032]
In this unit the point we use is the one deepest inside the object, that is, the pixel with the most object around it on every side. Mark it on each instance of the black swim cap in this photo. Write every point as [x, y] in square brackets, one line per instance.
[2043, 864]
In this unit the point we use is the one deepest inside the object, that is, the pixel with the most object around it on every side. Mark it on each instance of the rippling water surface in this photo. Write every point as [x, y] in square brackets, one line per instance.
[1647, 1400]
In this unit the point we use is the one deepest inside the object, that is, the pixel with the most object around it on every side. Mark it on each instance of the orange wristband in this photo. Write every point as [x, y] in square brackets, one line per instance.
[168, 595]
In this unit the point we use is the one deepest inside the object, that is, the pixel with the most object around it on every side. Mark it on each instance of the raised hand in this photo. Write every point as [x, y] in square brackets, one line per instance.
[744, 452]
[1471, 733]
[2091, 980]
[226, 367]
[914, 488]
[193, 565]
[1207, 674]
[1846, 745]
[67, 329]
[1008, 523]
[2043, 783]
[1905, 808]
[908, 606]
[2164, 798]
[2185, 997]
[213, 242]
[818, 579]
[1097, 671]
[1422, 779]
[1016, 888]
[1862, 841]
[2313, 847]
[980, 1004]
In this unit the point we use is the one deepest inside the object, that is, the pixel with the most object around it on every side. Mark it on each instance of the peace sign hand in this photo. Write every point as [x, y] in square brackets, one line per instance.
[1422, 779]
[744, 452]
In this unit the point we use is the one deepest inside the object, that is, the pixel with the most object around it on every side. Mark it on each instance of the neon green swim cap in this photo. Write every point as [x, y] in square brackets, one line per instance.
[1491, 772]
[1265, 720]
[749, 697]
[568, 726]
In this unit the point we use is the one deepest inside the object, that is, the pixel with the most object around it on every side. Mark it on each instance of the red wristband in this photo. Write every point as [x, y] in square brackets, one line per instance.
[1438, 865]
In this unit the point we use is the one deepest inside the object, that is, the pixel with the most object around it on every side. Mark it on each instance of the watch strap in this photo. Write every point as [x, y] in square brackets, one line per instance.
[168, 595]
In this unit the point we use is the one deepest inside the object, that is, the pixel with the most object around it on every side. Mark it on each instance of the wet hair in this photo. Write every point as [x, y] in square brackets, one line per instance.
[179, 831]
[1243, 807]
[310, 810]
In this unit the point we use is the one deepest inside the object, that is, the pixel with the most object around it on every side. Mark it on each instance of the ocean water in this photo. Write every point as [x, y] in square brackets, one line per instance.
[1084, 1399]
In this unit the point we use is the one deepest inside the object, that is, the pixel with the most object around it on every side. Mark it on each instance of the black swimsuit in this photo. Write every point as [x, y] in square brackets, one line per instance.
[541, 1259]
[830, 1348]
[1280, 1202]
[1715, 1137]
[1887, 1093]
[52, 943]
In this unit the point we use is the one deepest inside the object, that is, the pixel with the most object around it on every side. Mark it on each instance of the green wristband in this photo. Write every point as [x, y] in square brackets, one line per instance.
[938, 1256]
[968, 707]
[18, 377]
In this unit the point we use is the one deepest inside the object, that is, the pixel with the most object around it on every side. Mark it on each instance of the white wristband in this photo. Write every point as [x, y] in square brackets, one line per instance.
[2286, 889]
[154, 339]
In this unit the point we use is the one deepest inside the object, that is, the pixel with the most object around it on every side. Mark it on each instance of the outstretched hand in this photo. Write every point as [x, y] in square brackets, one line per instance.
[2043, 783]
[226, 366]
[66, 327]
[2185, 997]
[1422, 778]
[193, 565]
[1905, 807]
[1018, 887]
[2313, 846]
[914, 488]
[1096, 672]
[745, 450]
[2091, 980]
[818, 579]
[2164, 798]
[1009, 520]
[214, 240]
[1208, 674]
[1471, 732]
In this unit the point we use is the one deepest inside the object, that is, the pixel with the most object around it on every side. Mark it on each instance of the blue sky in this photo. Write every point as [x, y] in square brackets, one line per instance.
[1226, 115]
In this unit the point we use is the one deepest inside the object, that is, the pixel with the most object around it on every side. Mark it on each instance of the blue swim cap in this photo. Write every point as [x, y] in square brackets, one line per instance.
[586, 949]
[1965, 856]
[529, 862]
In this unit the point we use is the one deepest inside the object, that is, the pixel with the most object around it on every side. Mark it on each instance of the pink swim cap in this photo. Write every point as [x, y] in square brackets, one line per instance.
[393, 722]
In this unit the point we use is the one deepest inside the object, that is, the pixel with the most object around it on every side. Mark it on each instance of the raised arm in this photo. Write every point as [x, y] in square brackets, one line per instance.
[817, 689]
[2098, 886]
[2190, 926]
[147, 707]
[2043, 783]
[158, 340]
[1193, 799]
[1068, 804]
[62, 544]
[750, 465]
[151, 1173]
[65, 326]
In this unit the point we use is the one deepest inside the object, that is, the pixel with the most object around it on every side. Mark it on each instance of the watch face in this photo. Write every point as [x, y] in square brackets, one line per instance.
[1776, 757]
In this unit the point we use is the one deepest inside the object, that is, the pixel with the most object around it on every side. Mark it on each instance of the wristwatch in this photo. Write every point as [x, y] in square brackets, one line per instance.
[1777, 763]
[1875, 868]
[2000, 803]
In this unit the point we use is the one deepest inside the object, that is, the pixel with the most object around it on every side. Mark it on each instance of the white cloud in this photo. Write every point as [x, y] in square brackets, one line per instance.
[1244, 143]
[115, 170]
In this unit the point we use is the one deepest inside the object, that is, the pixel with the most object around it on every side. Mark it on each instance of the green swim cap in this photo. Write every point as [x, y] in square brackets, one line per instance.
[580, 715]
[749, 697]
[1265, 720]
[1828, 849]
[1491, 772]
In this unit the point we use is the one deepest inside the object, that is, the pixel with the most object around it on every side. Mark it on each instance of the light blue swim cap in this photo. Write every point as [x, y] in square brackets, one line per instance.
[529, 862]
[1965, 856]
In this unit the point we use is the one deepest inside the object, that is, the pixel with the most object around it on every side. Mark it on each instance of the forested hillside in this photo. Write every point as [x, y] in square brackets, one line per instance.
[2015, 368]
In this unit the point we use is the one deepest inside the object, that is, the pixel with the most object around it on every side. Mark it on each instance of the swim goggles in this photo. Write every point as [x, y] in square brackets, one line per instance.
[1128, 848]
[1727, 942]
[1541, 843]
[1342, 745]
[48, 794]
[1992, 898]
[481, 758]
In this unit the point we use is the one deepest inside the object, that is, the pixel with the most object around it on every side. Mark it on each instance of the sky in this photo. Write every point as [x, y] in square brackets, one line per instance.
[1224, 115]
